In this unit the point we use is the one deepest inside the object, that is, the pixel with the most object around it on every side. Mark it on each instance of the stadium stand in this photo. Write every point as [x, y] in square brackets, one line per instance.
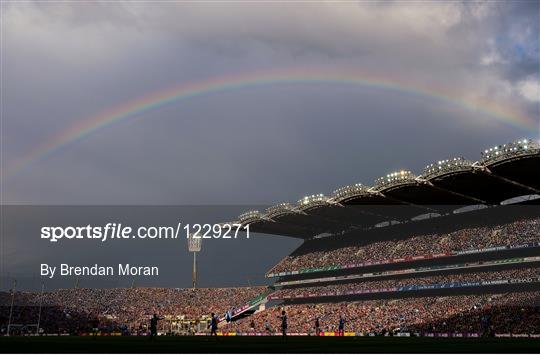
[469, 267]
[494, 313]
[519, 275]
[454, 250]
[129, 309]
[522, 232]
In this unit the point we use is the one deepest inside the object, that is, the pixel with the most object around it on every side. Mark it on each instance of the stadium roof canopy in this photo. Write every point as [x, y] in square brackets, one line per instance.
[503, 172]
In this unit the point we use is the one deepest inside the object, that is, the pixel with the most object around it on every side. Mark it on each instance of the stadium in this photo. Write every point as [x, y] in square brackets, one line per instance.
[450, 253]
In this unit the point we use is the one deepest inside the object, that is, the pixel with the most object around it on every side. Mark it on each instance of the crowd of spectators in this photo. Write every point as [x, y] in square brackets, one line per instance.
[69, 310]
[129, 310]
[75, 310]
[344, 288]
[519, 232]
[517, 313]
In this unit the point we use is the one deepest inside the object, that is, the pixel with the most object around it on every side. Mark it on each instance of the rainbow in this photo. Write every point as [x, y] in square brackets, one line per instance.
[85, 127]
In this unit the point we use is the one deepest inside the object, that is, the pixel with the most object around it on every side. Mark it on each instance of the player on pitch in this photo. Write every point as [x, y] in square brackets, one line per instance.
[153, 326]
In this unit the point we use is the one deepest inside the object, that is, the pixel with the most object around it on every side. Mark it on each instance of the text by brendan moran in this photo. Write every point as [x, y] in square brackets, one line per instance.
[98, 270]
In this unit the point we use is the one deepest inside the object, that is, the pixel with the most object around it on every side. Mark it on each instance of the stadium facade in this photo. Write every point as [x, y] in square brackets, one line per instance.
[454, 251]
[461, 230]
[503, 172]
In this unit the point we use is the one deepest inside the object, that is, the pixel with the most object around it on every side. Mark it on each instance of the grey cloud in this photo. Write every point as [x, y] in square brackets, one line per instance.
[67, 61]
[94, 56]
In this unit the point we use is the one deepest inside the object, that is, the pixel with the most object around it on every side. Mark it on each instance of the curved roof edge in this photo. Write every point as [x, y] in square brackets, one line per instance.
[349, 192]
[507, 151]
[491, 156]
[280, 210]
[308, 202]
[395, 179]
[445, 167]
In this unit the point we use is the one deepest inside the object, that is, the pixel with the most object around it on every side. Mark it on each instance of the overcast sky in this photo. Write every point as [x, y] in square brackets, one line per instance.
[63, 62]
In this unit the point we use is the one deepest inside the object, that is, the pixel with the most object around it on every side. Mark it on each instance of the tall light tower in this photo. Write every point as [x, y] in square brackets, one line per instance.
[194, 246]
[11, 307]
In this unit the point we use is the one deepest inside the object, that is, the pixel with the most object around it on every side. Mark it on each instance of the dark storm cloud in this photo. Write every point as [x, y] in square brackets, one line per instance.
[517, 39]
[65, 61]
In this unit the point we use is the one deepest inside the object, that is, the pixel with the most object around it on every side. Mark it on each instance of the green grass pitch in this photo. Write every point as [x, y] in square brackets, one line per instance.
[202, 344]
